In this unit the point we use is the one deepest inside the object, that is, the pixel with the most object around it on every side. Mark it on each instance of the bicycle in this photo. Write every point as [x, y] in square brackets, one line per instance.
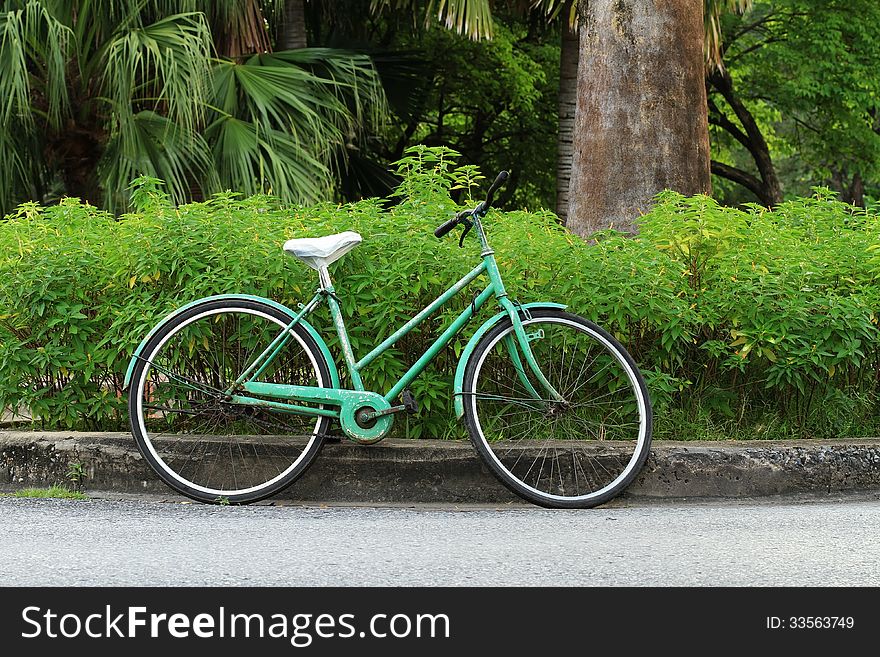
[231, 396]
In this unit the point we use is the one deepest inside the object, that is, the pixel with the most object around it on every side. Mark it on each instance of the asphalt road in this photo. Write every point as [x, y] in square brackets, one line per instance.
[149, 542]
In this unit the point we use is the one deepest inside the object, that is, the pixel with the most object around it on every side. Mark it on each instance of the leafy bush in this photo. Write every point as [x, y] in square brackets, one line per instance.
[746, 322]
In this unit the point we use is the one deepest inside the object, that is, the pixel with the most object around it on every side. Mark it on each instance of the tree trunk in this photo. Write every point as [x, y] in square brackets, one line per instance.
[641, 123]
[856, 194]
[292, 35]
[850, 190]
[568, 68]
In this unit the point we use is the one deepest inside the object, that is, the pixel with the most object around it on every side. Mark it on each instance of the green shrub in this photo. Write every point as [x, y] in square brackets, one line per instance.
[745, 322]
[784, 307]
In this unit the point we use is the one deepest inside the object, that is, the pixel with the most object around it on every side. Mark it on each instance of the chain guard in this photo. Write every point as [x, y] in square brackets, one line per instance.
[371, 432]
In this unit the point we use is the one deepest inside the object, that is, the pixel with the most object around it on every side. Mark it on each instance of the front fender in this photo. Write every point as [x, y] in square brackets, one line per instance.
[334, 373]
[472, 343]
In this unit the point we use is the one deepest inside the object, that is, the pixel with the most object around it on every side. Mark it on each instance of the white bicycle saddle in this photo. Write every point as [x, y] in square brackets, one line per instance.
[319, 252]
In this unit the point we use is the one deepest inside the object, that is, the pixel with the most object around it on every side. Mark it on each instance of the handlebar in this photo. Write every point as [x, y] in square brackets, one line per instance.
[500, 179]
[479, 211]
[447, 226]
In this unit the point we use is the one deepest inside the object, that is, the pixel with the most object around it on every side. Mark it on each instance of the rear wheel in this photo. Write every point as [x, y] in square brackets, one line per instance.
[196, 439]
[577, 452]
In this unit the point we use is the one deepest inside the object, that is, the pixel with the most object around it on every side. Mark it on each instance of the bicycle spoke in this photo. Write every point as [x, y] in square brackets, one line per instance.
[546, 449]
[211, 447]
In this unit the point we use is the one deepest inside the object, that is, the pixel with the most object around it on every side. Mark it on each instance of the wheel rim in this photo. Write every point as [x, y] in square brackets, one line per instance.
[200, 440]
[584, 449]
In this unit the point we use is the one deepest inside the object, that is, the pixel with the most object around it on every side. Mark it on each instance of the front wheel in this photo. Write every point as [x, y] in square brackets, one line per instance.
[189, 430]
[575, 452]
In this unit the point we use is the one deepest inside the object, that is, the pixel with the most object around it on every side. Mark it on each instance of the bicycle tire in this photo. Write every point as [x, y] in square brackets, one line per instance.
[594, 455]
[180, 422]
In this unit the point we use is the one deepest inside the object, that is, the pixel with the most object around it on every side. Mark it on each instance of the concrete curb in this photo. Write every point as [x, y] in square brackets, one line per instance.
[425, 471]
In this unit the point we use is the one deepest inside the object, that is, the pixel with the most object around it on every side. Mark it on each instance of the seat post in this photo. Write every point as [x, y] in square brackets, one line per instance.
[324, 277]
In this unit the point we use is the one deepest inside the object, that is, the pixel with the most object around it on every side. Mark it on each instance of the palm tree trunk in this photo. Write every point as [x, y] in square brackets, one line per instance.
[75, 153]
[246, 34]
[641, 124]
[568, 65]
[292, 35]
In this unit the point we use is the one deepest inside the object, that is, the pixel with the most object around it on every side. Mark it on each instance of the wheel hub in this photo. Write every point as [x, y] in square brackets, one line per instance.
[558, 408]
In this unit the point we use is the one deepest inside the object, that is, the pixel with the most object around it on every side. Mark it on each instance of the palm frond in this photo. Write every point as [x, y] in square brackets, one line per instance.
[281, 97]
[15, 178]
[31, 38]
[552, 9]
[470, 17]
[152, 99]
[254, 159]
[712, 13]
[351, 77]
[304, 105]
[164, 65]
[147, 143]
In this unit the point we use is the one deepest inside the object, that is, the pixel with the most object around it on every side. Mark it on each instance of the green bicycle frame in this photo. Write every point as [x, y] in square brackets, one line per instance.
[358, 396]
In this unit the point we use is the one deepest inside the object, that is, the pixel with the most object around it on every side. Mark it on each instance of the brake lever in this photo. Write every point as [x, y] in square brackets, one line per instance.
[468, 224]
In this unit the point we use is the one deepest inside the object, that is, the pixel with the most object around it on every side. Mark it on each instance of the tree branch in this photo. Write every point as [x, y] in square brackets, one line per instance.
[756, 145]
[748, 27]
[717, 117]
[741, 177]
[753, 47]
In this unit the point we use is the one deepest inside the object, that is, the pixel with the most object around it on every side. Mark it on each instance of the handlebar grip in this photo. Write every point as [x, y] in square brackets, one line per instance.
[445, 227]
[500, 179]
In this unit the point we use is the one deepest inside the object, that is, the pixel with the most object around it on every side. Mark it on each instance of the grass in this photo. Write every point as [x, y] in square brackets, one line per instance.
[56, 492]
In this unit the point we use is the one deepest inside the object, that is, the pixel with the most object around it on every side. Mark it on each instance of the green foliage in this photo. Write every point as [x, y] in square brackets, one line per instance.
[53, 492]
[494, 101]
[746, 323]
[780, 309]
[96, 93]
[808, 73]
[76, 474]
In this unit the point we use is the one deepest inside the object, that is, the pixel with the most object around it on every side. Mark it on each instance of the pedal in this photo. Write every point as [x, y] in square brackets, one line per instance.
[410, 405]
